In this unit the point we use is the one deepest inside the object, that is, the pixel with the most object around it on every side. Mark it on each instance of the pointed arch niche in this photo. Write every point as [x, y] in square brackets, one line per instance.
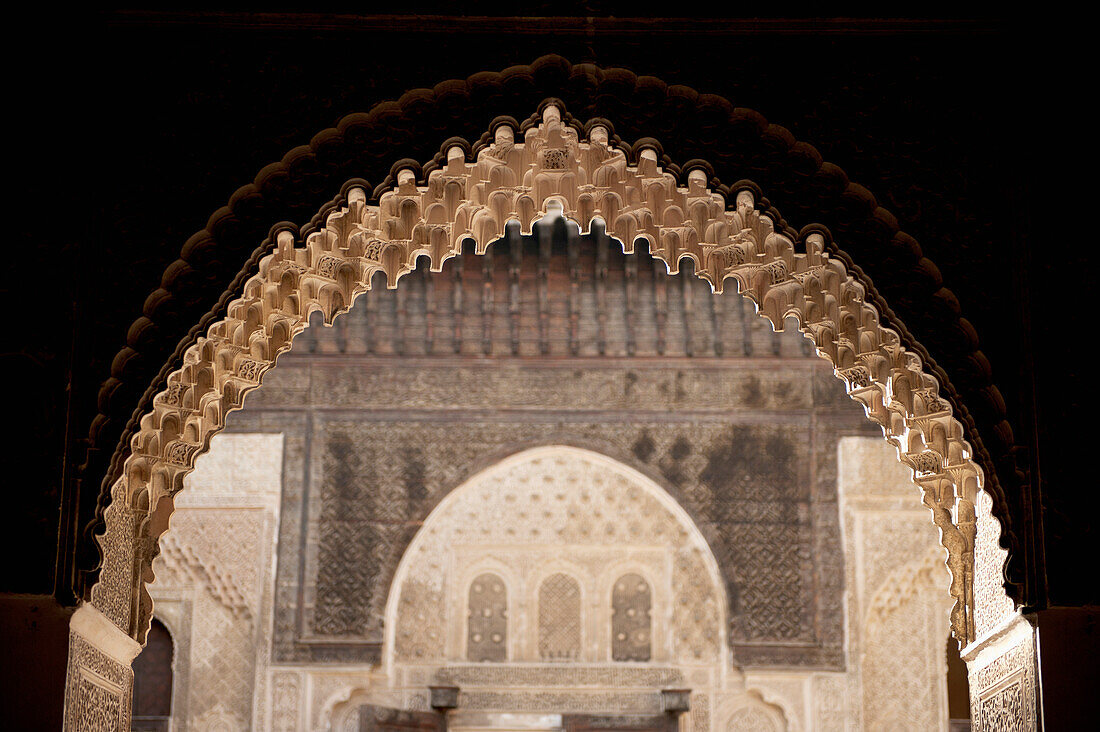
[547, 168]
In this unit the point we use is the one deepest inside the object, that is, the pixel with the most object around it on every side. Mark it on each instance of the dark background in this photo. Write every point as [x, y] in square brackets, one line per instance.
[130, 128]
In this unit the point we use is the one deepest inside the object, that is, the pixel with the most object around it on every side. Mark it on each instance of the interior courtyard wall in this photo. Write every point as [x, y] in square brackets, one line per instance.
[380, 432]
[353, 424]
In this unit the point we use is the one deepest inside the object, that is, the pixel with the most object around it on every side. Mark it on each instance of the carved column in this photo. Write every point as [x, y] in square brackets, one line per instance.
[100, 680]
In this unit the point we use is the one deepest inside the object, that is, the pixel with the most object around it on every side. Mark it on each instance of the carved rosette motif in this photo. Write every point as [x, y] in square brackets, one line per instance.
[550, 173]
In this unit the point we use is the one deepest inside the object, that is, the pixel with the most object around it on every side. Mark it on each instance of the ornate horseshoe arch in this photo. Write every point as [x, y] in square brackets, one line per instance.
[550, 167]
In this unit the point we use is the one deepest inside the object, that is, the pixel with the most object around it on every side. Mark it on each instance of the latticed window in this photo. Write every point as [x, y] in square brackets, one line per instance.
[631, 602]
[487, 637]
[559, 618]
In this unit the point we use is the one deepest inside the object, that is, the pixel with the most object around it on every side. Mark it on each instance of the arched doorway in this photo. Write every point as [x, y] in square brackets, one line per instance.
[552, 173]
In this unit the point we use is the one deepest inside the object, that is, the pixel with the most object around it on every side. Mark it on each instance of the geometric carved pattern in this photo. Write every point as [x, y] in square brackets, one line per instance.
[559, 618]
[991, 605]
[488, 620]
[112, 594]
[695, 609]
[1003, 710]
[398, 469]
[97, 691]
[474, 200]
[214, 569]
[541, 676]
[902, 665]
[355, 532]
[180, 558]
[897, 605]
[1004, 692]
[419, 620]
[631, 601]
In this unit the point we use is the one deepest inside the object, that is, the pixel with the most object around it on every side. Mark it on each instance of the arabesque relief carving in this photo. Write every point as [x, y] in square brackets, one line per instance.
[521, 517]
[549, 172]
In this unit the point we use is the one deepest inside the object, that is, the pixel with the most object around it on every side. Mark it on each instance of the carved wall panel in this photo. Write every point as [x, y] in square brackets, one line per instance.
[902, 666]
[898, 608]
[656, 676]
[1003, 679]
[833, 707]
[748, 711]
[751, 719]
[286, 691]
[700, 712]
[97, 694]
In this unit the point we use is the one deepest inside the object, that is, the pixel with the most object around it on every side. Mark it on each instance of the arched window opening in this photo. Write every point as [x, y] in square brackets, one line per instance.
[487, 634]
[958, 689]
[559, 618]
[152, 710]
[631, 602]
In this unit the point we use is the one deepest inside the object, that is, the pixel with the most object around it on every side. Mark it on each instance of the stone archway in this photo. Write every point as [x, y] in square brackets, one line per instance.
[552, 173]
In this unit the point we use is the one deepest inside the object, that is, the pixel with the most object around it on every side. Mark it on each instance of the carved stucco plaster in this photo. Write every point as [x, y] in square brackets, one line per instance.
[551, 173]
[214, 583]
[1002, 666]
[97, 690]
[550, 510]
[896, 608]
